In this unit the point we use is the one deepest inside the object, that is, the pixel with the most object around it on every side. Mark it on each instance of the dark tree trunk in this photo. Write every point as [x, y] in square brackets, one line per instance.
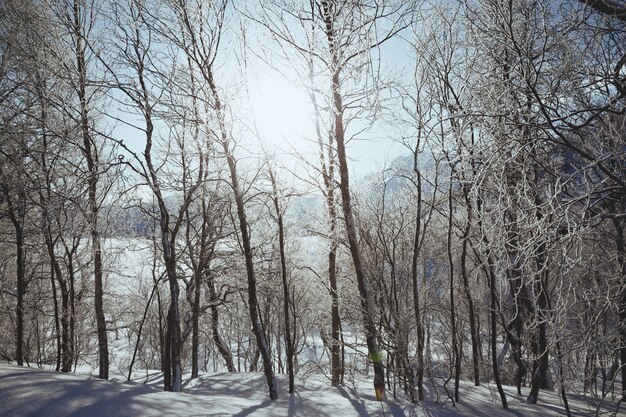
[92, 177]
[494, 335]
[335, 323]
[542, 301]
[253, 304]
[370, 329]
[493, 296]
[328, 174]
[140, 330]
[195, 323]
[289, 347]
[222, 347]
[72, 329]
[468, 295]
[344, 186]
[415, 280]
[336, 362]
[67, 360]
[65, 314]
[522, 306]
[17, 214]
[57, 318]
[418, 316]
[173, 342]
[21, 287]
[162, 333]
[456, 360]
[620, 243]
[540, 344]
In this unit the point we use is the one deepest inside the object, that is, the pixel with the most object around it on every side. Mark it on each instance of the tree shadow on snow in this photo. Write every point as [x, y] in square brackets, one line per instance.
[358, 405]
[250, 410]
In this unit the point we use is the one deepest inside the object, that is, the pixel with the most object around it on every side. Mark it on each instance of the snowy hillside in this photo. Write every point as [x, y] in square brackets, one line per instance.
[28, 392]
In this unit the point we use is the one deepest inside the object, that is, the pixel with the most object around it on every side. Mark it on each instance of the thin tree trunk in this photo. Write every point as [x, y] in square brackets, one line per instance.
[17, 214]
[371, 336]
[491, 276]
[92, 173]
[540, 345]
[72, 324]
[57, 273]
[140, 330]
[337, 363]
[245, 239]
[370, 329]
[222, 347]
[542, 301]
[289, 348]
[559, 353]
[415, 280]
[456, 360]
[494, 335]
[57, 319]
[66, 356]
[195, 322]
[468, 294]
[328, 174]
[173, 341]
[200, 263]
[172, 366]
[620, 243]
[19, 308]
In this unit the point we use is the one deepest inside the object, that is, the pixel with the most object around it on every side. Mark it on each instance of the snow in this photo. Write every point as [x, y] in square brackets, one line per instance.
[35, 392]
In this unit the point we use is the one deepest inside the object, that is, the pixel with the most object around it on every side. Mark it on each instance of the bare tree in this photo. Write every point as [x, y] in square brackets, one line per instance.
[136, 78]
[344, 30]
[289, 343]
[199, 39]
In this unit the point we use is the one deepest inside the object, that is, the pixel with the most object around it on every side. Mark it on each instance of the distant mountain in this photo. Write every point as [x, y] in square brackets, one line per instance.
[131, 221]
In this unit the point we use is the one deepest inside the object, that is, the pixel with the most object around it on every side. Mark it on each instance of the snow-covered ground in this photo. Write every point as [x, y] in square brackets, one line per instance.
[34, 392]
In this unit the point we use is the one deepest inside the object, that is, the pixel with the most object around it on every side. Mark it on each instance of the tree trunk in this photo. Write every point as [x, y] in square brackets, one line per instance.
[540, 344]
[195, 320]
[222, 347]
[289, 347]
[337, 364]
[66, 340]
[17, 213]
[368, 321]
[494, 335]
[19, 308]
[328, 174]
[467, 292]
[173, 342]
[173, 329]
[245, 240]
[456, 360]
[57, 319]
[344, 186]
[92, 176]
[140, 330]
[72, 329]
[491, 276]
[415, 281]
[620, 243]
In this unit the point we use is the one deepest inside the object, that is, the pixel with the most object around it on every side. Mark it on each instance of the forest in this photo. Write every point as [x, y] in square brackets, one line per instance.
[160, 210]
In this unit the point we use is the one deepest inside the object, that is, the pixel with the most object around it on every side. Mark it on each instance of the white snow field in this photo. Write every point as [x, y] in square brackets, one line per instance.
[30, 392]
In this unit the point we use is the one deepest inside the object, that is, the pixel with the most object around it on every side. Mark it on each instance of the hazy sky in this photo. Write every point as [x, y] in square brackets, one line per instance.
[268, 96]
[283, 113]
